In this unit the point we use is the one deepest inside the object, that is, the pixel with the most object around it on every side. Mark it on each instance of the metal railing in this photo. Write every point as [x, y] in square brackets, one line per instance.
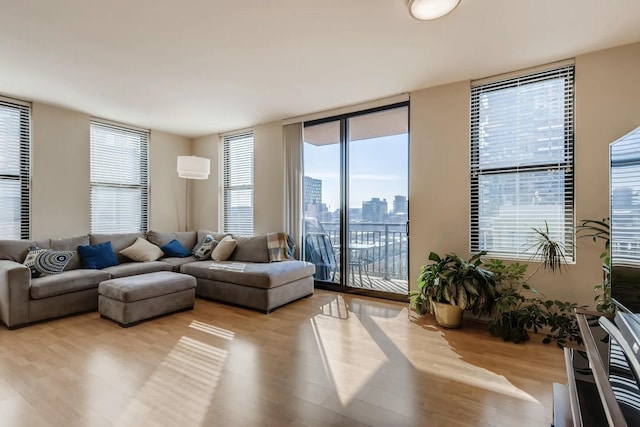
[388, 255]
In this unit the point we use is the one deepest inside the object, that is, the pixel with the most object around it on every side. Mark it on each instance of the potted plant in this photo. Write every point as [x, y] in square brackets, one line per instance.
[521, 308]
[450, 285]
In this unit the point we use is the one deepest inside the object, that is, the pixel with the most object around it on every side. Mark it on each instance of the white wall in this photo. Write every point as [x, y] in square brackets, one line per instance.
[607, 105]
[167, 198]
[268, 211]
[60, 172]
[60, 175]
[204, 193]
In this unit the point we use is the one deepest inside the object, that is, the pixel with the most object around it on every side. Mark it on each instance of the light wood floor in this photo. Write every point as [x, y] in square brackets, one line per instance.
[376, 283]
[328, 360]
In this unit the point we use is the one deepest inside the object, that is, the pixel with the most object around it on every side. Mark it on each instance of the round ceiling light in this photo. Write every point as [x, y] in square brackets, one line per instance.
[431, 9]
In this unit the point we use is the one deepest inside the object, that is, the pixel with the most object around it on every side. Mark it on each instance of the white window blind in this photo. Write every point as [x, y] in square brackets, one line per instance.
[625, 201]
[119, 181]
[15, 169]
[522, 162]
[238, 184]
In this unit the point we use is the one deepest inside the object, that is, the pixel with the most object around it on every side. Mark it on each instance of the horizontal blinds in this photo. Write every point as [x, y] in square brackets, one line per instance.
[238, 183]
[15, 170]
[119, 179]
[522, 162]
[625, 201]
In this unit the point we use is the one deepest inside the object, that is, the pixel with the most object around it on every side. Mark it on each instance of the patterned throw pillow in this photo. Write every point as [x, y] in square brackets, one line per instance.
[45, 262]
[203, 250]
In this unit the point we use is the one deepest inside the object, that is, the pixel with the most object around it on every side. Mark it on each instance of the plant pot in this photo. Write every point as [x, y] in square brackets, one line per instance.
[447, 315]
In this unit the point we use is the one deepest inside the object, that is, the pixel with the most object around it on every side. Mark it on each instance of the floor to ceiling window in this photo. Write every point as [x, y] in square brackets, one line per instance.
[356, 200]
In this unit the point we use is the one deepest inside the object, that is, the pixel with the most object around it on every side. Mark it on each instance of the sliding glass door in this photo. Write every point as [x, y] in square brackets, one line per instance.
[356, 200]
[322, 185]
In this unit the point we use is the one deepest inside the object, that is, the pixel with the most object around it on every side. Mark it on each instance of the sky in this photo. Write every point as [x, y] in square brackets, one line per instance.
[378, 167]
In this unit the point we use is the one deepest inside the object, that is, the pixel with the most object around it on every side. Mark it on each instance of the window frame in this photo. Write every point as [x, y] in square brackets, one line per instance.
[227, 188]
[566, 166]
[24, 175]
[144, 172]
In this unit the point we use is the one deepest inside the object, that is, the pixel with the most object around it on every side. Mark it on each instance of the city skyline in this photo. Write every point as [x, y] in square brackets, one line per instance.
[378, 169]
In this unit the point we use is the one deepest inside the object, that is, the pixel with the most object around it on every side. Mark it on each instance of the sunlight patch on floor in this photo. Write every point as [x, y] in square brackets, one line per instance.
[351, 358]
[212, 330]
[186, 378]
[337, 308]
[444, 362]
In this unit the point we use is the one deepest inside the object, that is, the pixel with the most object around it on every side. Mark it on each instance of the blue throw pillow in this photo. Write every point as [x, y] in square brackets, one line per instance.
[97, 256]
[175, 249]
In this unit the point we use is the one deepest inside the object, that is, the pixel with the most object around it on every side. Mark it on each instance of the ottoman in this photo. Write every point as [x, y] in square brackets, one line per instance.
[129, 300]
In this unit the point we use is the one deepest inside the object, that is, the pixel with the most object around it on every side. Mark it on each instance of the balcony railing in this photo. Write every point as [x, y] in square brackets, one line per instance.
[386, 256]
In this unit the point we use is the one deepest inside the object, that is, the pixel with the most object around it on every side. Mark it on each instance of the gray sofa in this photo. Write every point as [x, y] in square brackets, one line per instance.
[246, 279]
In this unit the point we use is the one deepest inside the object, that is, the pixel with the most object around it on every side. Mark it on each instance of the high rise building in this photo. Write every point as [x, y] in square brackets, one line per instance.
[400, 205]
[375, 210]
[312, 191]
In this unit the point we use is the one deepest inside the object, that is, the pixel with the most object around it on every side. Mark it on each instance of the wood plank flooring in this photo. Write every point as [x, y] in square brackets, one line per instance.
[376, 283]
[328, 360]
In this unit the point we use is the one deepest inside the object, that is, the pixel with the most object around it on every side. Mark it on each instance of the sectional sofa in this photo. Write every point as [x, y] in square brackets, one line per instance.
[247, 278]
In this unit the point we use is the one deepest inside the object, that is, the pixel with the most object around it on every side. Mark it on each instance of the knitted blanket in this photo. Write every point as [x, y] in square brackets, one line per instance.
[280, 246]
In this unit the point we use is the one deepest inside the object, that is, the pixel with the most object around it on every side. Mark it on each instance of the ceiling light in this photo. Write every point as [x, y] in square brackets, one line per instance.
[431, 9]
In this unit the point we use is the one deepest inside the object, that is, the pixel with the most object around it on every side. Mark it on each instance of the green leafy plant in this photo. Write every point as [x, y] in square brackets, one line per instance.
[598, 230]
[453, 280]
[549, 251]
[521, 308]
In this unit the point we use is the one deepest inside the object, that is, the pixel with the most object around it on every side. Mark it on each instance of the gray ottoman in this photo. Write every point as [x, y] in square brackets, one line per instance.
[129, 300]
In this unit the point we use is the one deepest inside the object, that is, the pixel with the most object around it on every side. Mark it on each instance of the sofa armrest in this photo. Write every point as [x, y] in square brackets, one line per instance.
[15, 280]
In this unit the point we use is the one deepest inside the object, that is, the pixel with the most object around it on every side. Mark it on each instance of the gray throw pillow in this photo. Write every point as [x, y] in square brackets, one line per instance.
[204, 248]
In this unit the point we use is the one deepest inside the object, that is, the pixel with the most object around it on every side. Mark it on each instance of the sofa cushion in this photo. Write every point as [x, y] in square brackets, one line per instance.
[66, 282]
[97, 256]
[118, 242]
[188, 239]
[70, 244]
[223, 249]
[16, 250]
[175, 249]
[132, 268]
[251, 249]
[257, 275]
[44, 262]
[146, 286]
[143, 251]
[176, 263]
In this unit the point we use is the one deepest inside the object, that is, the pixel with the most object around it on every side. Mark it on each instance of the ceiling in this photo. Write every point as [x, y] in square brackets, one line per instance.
[195, 67]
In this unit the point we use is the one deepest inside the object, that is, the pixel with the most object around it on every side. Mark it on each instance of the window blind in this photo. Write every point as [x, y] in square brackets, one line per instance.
[522, 162]
[119, 179]
[625, 200]
[15, 169]
[238, 184]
